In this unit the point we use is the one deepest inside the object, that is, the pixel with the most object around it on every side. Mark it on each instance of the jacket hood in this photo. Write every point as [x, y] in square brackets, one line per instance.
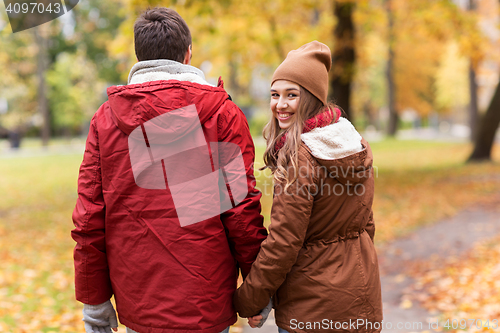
[162, 112]
[341, 150]
[160, 86]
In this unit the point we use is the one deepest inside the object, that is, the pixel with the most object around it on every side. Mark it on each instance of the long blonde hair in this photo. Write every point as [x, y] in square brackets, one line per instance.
[279, 161]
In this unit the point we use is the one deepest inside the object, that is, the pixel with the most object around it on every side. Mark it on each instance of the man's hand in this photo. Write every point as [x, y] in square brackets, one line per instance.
[100, 318]
[260, 319]
[254, 321]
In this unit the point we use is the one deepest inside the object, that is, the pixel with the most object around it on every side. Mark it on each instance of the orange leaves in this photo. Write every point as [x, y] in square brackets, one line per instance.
[463, 287]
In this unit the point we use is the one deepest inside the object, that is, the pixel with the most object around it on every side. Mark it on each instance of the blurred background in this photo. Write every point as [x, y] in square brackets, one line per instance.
[418, 78]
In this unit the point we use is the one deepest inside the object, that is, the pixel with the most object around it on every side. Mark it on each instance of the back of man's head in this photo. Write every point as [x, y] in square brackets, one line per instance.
[161, 33]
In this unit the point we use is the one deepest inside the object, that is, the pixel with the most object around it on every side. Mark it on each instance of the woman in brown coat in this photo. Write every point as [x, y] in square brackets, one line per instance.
[318, 263]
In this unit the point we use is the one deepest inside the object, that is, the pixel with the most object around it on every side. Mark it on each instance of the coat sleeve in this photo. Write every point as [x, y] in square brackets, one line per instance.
[92, 281]
[244, 224]
[289, 222]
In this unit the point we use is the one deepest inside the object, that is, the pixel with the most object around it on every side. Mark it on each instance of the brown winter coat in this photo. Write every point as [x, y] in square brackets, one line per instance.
[319, 260]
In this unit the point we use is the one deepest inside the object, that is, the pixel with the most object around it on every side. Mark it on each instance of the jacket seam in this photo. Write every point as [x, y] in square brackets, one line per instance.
[223, 117]
[272, 261]
[338, 238]
[313, 162]
[363, 276]
[89, 212]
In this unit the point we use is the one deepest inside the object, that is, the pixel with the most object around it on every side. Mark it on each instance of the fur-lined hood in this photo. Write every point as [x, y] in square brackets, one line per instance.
[341, 149]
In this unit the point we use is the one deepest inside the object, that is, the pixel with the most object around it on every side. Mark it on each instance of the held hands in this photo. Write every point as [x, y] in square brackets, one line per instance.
[260, 319]
[100, 318]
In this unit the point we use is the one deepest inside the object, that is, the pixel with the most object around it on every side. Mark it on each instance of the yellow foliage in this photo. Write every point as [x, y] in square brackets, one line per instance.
[452, 85]
[241, 35]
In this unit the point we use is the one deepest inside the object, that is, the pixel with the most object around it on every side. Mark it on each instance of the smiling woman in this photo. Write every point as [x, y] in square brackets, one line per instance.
[285, 97]
[299, 103]
[318, 263]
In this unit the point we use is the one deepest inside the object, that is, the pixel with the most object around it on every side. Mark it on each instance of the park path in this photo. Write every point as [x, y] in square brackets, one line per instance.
[450, 237]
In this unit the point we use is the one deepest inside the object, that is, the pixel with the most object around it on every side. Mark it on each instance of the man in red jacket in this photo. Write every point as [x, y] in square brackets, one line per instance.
[167, 208]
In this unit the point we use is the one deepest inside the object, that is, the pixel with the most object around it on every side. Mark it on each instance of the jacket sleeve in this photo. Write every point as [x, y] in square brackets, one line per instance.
[92, 281]
[243, 224]
[289, 222]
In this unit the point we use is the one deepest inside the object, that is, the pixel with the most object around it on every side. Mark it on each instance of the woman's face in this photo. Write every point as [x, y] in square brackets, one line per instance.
[285, 96]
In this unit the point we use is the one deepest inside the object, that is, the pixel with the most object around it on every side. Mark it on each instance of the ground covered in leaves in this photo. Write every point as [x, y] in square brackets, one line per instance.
[464, 291]
[36, 279]
[417, 183]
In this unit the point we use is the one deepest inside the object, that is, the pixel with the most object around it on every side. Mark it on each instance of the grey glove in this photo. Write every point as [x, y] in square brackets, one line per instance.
[265, 313]
[99, 318]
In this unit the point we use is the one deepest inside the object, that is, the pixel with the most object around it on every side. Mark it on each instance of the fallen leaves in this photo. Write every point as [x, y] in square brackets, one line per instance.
[39, 193]
[466, 287]
[36, 279]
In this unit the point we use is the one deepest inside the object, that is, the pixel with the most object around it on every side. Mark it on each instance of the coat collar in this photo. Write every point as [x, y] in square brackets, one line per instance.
[162, 69]
[334, 141]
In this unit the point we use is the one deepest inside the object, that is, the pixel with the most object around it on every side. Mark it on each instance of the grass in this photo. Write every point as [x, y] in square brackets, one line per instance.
[417, 183]
[38, 195]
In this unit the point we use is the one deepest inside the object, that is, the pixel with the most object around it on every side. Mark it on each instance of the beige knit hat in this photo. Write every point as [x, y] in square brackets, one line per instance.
[308, 66]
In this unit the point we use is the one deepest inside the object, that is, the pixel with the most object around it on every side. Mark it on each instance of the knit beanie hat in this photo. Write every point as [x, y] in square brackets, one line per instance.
[308, 66]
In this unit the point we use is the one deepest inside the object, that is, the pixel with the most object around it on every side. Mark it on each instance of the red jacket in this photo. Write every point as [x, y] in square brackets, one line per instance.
[130, 243]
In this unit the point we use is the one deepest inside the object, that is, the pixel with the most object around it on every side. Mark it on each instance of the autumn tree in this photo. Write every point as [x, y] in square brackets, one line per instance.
[419, 34]
[42, 65]
[486, 130]
[344, 55]
[19, 82]
[396, 68]
[391, 89]
[473, 102]
[58, 71]
[237, 37]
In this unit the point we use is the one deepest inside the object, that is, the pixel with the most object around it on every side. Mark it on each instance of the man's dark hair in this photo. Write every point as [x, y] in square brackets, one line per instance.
[161, 33]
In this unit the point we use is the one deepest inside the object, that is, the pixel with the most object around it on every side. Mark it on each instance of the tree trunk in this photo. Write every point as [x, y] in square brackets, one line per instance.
[487, 126]
[391, 99]
[343, 56]
[368, 111]
[236, 89]
[42, 66]
[473, 110]
[486, 130]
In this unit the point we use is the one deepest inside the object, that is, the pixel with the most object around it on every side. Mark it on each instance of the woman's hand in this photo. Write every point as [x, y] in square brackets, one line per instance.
[260, 319]
[254, 321]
